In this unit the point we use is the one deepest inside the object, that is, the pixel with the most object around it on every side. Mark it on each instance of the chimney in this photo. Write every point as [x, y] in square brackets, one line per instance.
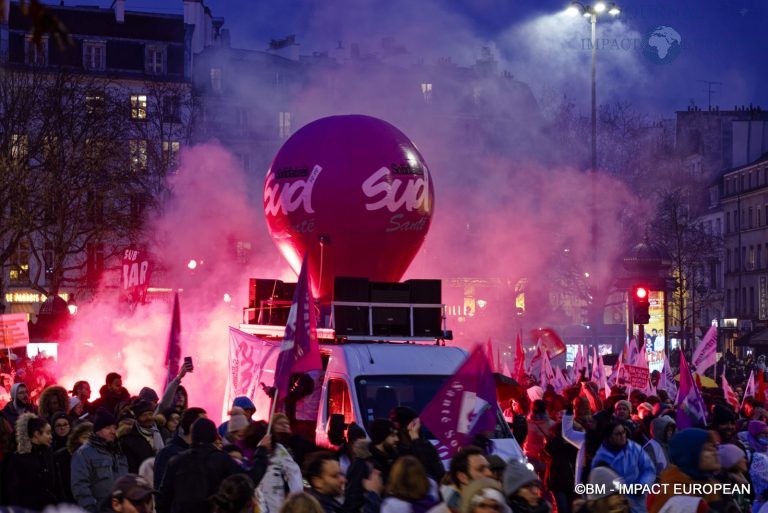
[119, 7]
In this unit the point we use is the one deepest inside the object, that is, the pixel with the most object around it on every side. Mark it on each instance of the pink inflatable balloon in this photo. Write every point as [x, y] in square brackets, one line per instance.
[355, 194]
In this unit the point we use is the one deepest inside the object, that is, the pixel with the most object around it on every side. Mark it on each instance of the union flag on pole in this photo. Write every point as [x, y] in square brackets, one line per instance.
[518, 368]
[465, 405]
[691, 411]
[667, 379]
[730, 395]
[749, 390]
[299, 351]
[173, 351]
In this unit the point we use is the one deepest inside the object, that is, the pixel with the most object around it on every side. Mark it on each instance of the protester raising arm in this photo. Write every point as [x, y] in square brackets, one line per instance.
[170, 391]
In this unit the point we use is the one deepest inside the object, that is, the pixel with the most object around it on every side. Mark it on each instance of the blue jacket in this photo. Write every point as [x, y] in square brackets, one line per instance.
[95, 468]
[633, 465]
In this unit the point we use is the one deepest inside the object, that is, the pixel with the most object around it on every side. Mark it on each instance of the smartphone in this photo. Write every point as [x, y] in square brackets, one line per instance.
[188, 362]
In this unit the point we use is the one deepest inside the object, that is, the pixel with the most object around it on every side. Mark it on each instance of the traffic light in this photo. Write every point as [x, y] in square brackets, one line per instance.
[640, 304]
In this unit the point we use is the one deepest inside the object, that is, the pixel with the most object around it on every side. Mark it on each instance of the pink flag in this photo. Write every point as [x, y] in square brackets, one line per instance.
[730, 395]
[705, 355]
[749, 390]
[465, 405]
[535, 367]
[489, 354]
[667, 379]
[173, 351]
[560, 382]
[547, 376]
[691, 411]
[518, 368]
[641, 360]
[300, 351]
[579, 363]
[631, 350]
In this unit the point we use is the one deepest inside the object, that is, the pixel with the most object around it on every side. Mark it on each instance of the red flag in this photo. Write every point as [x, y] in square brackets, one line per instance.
[173, 352]
[518, 369]
[464, 406]
[760, 386]
[300, 351]
[549, 341]
[730, 396]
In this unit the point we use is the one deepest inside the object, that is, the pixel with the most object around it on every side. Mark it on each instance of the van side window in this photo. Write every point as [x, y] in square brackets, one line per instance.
[338, 399]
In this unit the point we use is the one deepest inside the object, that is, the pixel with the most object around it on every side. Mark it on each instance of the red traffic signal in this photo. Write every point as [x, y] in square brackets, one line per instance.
[641, 293]
[640, 304]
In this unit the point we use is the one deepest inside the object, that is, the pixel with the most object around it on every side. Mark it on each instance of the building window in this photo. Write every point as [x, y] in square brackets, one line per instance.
[751, 262]
[216, 79]
[95, 55]
[139, 107]
[171, 108]
[36, 53]
[759, 257]
[284, 124]
[426, 92]
[171, 153]
[743, 305]
[727, 222]
[751, 300]
[138, 154]
[19, 264]
[155, 60]
[749, 218]
[719, 226]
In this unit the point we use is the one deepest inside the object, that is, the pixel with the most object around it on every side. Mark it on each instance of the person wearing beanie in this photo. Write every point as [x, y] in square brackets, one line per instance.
[75, 410]
[723, 422]
[97, 464]
[283, 474]
[734, 464]
[383, 445]
[693, 459]
[180, 442]
[606, 496]
[627, 459]
[482, 495]
[522, 489]
[143, 440]
[60, 428]
[662, 429]
[237, 425]
[149, 395]
[411, 442]
[196, 473]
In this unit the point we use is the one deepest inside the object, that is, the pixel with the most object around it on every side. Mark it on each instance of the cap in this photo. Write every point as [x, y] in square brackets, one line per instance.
[607, 478]
[141, 406]
[73, 401]
[132, 487]
[243, 402]
[148, 394]
[516, 475]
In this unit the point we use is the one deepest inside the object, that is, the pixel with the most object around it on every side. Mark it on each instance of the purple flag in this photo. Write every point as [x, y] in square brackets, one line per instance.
[465, 405]
[173, 352]
[691, 411]
[300, 351]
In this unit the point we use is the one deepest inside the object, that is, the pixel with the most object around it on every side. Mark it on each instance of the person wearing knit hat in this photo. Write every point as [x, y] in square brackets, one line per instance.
[522, 489]
[91, 490]
[237, 425]
[75, 409]
[723, 421]
[644, 410]
[380, 430]
[735, 468]
[693, 459]
[246, 404]
[605, 497]
[383, 449]
[149, 395]
[622, 410]
[143, 440]
[483, 494]
[181, 491]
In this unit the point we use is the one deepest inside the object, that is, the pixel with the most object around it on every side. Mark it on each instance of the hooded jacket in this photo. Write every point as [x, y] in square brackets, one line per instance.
[11, 411]
[658, 446]
[46, 412]
[633, 465]
[34, 482]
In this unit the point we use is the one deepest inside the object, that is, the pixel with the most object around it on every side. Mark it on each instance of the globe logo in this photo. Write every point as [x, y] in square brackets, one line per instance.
[662, 45]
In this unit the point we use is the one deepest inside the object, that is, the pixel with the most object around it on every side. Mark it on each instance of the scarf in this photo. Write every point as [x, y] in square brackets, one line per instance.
[152, 436]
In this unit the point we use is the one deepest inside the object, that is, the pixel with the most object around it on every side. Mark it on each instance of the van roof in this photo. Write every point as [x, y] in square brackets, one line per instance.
[385, 359]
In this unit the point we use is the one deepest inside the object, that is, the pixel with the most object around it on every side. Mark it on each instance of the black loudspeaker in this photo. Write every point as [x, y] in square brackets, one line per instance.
[260, 290]
[351, 320]
[426, 291]
[427, 322]
[391, 321]
[382, 292]
[353, 290]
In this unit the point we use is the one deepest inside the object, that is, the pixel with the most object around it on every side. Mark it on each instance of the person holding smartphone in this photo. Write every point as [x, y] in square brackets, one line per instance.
[175, 395]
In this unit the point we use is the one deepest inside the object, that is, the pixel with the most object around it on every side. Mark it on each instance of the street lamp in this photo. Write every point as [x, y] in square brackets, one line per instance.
[592, 12]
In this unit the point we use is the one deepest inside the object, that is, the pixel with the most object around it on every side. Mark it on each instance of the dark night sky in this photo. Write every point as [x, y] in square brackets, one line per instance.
[722, 41]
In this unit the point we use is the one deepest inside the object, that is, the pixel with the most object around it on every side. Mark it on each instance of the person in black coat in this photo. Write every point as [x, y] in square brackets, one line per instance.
[412, 443]
[196, 473]
[32, 481]
[179, 443]
[77, 437]
[561, 471]
[111, 395]
[144, 440]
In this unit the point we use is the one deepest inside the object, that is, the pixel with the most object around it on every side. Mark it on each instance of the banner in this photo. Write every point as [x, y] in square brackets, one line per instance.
[705, 355]
[137, 269]
[248, 358]
[14, 330]
[464, 406]
[549, 341]
[637, 376]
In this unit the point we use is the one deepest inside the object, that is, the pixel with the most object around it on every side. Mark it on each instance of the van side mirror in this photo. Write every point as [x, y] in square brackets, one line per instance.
[336, 429]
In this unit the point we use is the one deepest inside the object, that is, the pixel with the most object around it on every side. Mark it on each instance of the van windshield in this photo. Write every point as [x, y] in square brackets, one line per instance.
[379, 394]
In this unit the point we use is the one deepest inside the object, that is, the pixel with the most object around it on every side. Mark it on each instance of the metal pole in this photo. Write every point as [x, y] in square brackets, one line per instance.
[595, 321]
[593, 20]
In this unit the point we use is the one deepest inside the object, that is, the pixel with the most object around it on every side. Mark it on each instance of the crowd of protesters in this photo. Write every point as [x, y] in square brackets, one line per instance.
[149, 452]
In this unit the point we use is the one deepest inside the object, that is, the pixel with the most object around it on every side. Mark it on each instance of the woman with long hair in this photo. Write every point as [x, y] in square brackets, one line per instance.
[235, 495]
[409, 489]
